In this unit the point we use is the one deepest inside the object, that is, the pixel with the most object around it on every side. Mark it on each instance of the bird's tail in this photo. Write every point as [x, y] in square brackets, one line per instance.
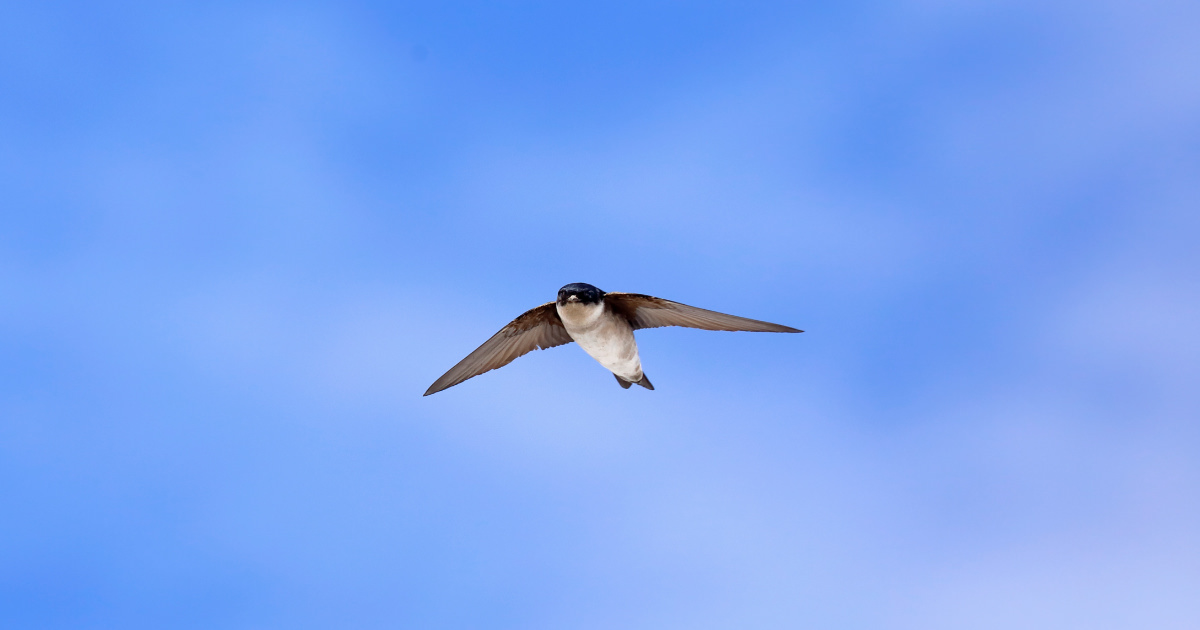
[645, 382]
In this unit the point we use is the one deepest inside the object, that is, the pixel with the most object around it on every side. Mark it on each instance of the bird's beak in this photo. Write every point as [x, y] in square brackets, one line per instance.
[573, 298]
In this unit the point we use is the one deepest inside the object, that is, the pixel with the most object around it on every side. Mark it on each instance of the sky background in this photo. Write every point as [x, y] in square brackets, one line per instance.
[239, 240]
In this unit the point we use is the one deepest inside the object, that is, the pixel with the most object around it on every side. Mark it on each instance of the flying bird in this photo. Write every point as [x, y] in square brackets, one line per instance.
[601, 323]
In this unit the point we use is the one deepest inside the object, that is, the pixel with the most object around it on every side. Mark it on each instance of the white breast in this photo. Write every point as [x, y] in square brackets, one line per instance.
[603, 335]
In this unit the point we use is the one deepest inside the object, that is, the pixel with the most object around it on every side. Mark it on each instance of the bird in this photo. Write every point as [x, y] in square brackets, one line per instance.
[601, 323]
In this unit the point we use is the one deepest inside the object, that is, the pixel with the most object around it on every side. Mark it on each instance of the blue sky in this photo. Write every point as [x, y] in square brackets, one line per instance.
[239, 241]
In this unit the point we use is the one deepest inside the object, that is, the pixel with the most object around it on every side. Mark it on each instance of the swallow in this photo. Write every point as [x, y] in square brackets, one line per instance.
[601, 323]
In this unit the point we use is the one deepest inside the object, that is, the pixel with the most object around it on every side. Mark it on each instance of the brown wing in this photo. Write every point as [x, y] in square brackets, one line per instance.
[537, 328]
[645, 311]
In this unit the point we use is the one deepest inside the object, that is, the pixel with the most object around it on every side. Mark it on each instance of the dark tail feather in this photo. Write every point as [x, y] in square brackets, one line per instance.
[645, 382]
[624, 383]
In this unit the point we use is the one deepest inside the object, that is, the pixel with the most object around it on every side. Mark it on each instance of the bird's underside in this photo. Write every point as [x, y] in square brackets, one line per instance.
[543, 327]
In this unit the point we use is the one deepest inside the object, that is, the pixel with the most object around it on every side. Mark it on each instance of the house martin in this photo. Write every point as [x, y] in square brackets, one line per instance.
[601, 323]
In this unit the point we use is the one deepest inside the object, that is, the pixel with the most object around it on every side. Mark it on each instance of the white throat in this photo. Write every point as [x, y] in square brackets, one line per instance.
[580, 316]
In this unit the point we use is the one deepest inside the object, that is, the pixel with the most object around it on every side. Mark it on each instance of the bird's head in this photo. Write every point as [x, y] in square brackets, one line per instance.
[580, 293]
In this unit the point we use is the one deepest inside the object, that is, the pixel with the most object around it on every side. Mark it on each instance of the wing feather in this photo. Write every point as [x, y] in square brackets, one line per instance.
[646, 311]
[537, 328]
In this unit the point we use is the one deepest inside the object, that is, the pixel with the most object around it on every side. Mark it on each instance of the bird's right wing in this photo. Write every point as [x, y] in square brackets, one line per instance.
[647, 311]
[537, 328]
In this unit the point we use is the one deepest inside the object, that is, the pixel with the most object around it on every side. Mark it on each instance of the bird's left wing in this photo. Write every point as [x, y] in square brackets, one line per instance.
[647, 311]
[537, 328]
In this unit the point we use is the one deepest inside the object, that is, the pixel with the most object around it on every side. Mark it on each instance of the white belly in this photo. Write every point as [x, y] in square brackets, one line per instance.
[607, 338]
